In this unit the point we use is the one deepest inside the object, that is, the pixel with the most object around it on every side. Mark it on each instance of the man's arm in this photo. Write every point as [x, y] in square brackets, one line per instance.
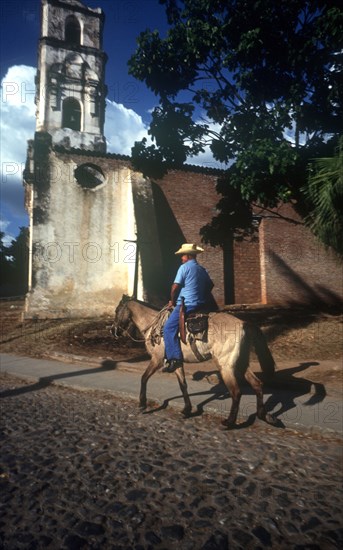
[174, 292]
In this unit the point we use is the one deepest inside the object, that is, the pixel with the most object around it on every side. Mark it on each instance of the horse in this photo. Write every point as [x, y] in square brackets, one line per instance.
[229, 341]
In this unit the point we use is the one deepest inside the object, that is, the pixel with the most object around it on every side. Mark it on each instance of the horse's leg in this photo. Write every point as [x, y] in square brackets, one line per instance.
[153, 366]
[257, 386]
[263, 352]
[231, 383]
[180, 373]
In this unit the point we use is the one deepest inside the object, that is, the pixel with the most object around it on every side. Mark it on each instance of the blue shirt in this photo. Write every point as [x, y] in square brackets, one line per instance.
[195, 283]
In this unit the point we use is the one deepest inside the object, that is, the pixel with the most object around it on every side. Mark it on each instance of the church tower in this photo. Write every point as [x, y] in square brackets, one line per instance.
[80, 199]
[70, 82]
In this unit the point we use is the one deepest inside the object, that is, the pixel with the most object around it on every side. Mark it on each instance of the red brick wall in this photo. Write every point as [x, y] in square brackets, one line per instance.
[247, 276]
[192, 197]
[285, 265]
[298, 269]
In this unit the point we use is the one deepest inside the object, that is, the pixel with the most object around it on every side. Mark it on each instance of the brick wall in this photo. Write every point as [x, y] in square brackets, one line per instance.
[297, 268]
[285, 265]
[247, 273]
[192, 198]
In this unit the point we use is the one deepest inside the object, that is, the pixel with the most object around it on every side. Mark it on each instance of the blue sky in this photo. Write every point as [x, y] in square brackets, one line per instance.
[129, 101]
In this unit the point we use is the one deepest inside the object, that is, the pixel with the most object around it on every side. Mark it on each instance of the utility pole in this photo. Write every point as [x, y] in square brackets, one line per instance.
[135, 280]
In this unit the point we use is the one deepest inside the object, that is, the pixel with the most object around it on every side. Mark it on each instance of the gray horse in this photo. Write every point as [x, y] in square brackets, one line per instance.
[229, 341]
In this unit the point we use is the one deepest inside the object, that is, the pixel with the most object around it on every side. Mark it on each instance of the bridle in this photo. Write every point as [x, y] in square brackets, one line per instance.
[156, 325]
[124, 331]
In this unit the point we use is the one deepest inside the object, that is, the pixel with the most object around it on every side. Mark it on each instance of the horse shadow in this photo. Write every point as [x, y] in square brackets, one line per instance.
[218, 392]
[285, 388]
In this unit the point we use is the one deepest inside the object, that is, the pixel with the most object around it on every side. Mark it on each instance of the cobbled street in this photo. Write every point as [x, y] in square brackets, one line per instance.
[83, 469]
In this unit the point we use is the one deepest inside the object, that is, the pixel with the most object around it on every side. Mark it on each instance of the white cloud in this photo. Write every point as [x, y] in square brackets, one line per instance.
[122, 128]
[17, 126]
[206, 158]
[18, 88]
[17, 116]
[7, 240]
[3, 225]
[8, 237]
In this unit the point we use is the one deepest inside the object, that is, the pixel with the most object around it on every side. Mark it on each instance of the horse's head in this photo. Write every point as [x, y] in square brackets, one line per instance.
[122, 318]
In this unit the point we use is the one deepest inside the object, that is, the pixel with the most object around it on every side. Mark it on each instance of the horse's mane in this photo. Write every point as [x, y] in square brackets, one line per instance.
[127, 298]
[146, 304]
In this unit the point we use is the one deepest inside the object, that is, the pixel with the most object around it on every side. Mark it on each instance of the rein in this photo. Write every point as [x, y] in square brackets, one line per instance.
[159, 320]
[126, 333]
[156, 325]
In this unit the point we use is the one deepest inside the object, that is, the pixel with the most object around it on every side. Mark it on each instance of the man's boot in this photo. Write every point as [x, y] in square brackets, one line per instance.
[173, 364]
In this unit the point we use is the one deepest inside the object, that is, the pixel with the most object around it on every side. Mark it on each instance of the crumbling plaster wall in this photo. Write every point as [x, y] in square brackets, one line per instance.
[91, 21]
[82, 260]
[71, 73]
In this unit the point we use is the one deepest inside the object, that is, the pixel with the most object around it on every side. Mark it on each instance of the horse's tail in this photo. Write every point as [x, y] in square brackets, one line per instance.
[262, 350]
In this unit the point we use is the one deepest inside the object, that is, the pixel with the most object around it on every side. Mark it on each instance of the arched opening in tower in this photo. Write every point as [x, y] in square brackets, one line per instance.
[71, 114]
[72, 31]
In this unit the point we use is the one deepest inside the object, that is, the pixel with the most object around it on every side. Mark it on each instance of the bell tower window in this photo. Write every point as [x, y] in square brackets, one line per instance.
[72, 32]
[71, 114]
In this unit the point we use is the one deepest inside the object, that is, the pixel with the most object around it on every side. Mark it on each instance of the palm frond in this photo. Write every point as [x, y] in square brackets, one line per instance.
[324, 194]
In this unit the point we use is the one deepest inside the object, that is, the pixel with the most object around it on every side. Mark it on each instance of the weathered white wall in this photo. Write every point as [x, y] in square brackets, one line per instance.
[82, 262]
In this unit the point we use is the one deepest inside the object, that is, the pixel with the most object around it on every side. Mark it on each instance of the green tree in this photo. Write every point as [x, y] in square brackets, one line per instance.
[14, 263]
[324, 193]
[259, 82]
[5, 262]
[19, 251]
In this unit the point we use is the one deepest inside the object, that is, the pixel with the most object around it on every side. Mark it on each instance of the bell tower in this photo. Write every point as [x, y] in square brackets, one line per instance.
[70, 81]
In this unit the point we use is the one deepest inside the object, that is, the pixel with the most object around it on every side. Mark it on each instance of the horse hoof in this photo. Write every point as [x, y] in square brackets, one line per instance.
[227, 424]
[142, 407]
[269, 419]
[186, 412]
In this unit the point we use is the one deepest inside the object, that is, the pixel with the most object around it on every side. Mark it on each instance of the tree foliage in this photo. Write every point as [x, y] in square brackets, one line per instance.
[324, 193]
[258, 82]
[5, 262]
[14, 264]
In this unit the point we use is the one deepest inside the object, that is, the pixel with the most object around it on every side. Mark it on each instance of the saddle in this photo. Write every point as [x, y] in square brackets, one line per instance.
[195, 322]
[192, 328]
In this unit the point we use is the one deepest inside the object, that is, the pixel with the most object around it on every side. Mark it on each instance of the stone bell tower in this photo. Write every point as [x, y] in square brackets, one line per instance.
[70, 82]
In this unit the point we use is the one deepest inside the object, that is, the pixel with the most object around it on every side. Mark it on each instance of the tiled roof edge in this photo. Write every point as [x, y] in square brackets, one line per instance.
[184, 167]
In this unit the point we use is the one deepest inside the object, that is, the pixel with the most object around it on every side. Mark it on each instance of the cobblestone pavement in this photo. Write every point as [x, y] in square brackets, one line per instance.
[83, 469]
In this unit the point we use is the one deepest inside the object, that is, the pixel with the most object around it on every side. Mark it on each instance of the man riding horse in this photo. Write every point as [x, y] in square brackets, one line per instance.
[229, 339]
[192, 287]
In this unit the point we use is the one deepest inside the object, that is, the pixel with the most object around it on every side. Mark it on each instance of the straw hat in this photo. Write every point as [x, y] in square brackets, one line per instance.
[190, 249]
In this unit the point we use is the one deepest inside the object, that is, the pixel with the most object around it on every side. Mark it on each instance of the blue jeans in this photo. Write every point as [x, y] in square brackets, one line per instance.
[170, 334]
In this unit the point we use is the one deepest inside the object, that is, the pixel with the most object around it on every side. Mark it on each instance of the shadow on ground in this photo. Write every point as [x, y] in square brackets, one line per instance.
[46, 381]
[285, 389]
